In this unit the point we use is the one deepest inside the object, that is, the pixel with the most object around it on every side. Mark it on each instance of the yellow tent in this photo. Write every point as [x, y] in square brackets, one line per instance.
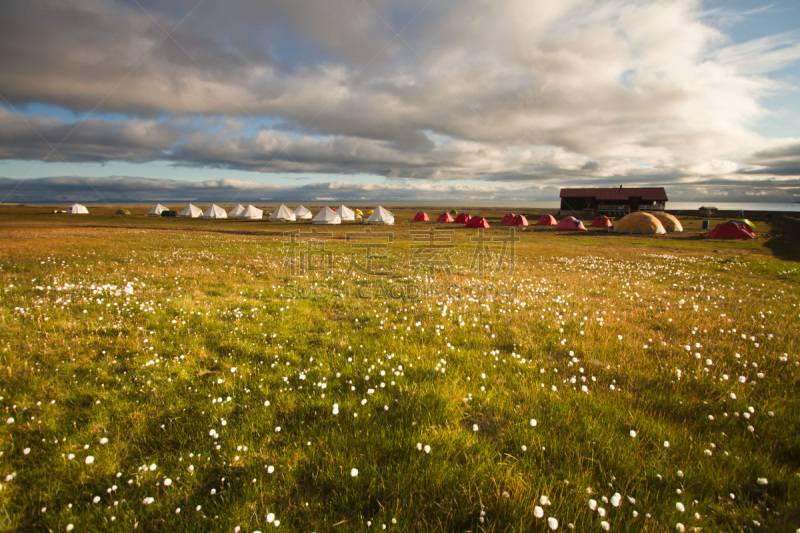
[370, 211]
[640, 222]
[670, 222]
[358, 212]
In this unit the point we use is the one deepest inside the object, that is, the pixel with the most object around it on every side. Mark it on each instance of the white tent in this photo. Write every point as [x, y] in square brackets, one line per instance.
[252, 213]
[302, 213]
[215, 211]
[157, 210]
[77, 209]
[327, 216]
[282, 214]
[380, 216]
[346, 213]
[191, 211]
[236, 212]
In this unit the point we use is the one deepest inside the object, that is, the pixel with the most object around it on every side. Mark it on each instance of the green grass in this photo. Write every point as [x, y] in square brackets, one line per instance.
[190, 373]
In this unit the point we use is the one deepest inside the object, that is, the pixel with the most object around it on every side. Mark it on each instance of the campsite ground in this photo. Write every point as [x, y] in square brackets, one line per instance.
[183, 374]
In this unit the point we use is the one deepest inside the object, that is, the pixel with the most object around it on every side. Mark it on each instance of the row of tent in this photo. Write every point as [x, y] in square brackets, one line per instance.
[282, 213]
[656, 223]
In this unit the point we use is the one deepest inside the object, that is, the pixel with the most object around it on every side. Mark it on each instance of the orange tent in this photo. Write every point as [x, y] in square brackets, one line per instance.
[602, 222]
[478, 222]
[732, 230]
[421, 217]
[445, 217]
[547, 220]
[519, 220]
[571, 223]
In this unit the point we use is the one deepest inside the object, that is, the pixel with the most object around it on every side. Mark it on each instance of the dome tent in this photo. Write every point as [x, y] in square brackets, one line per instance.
[463, 218]
[282, 214]
[77, 209]
[346, 213]
[571, 224]
[422, 216]
[602, 222]
[507, 219]
[302, 213]
[380, 216]
[670, 222]
[122, 212]
[478, 222]
[251, 212]
[732, 230]
[215, 212]
[445, 217]
[327, 216]
[157, 210]
[519, 220]
[236, 212]
[640, 222]
[453, 212]
[547, 220]
[191, 211]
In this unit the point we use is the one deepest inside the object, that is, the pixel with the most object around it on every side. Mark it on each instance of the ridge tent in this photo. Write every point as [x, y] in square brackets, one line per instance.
[346, 213]
[670, 222]
[547, 220]
[421, 217]
[507, 219]
[602, 222]
[77, 209]
[327, 216]
[445, 217]
[215, 211]
[478, 222]
[380, 216]
[302, 213]
[282, 214]
[519, 220]
[732, 230]
[572, 224]
[157, 210]
[236, 212]
[640, 222]
[251, 212]
[191, 211]
[463, 218]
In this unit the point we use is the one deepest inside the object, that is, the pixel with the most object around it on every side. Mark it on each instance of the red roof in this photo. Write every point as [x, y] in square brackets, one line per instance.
[617, 193]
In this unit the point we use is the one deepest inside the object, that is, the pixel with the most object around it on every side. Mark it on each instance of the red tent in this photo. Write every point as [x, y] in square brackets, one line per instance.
[445, 217]
[602, 222]
[507, 219]
[462, 218]
[547, 220]
[421, 217]
[478, 222]
[732, 230]
[519, 220]
[571, 223]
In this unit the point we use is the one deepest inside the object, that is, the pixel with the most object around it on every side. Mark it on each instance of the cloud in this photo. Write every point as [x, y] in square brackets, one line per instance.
[511, 90]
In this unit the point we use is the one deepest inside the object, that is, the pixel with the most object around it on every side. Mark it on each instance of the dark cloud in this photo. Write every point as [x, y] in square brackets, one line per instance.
[515, 90]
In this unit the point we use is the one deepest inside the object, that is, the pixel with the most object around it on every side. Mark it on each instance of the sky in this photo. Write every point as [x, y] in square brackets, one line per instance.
[389, 100]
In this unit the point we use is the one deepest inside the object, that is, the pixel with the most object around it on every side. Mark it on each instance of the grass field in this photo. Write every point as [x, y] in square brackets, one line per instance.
[189, 375]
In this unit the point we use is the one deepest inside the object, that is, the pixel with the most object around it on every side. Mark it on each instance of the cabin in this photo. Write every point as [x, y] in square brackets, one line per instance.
[612, 201]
